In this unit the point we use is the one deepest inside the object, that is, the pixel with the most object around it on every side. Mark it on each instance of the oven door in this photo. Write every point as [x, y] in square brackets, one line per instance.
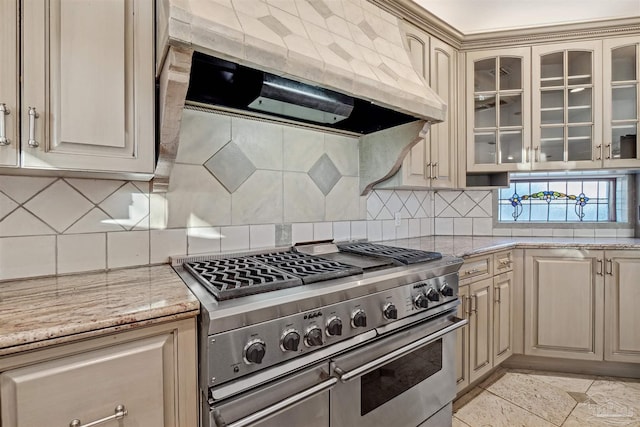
[300, 399]
[402, 379]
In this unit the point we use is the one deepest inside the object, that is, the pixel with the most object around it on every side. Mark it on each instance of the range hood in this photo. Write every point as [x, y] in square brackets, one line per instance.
[337, 64]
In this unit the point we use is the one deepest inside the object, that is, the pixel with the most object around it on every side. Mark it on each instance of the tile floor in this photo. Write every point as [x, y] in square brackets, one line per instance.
[510, 398]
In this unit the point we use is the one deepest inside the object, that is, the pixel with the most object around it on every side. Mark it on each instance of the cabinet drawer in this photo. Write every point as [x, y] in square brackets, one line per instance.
[502, 262]
[89, 386]
[476, 268]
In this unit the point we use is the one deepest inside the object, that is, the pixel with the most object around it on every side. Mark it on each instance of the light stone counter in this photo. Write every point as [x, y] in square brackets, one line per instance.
[35, 313]
[465, 246]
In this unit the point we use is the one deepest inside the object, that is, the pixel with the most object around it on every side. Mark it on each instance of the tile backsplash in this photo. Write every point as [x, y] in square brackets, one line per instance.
[237, 185]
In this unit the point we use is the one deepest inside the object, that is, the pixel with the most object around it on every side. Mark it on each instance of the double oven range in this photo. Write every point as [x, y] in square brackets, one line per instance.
[319, 335]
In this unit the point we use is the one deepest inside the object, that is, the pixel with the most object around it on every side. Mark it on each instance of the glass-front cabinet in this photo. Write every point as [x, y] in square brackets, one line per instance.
[567, 106]
[498, 114]
[620, 70]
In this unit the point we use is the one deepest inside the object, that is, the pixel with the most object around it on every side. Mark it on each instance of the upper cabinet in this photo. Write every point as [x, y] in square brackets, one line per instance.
[567, 106]
[431, 163]
[9, 84]
[87, 90]
[621, 94]
[554, 107]
[498, 117]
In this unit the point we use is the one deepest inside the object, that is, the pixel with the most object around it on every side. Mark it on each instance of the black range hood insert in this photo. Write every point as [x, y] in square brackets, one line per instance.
[217, 82]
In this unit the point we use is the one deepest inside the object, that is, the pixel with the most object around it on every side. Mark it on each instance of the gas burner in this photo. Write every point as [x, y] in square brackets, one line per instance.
[401, 255]
[235, 277]
[309, 268]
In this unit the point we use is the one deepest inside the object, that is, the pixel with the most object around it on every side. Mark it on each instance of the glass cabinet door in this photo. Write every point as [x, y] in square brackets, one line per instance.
[621, 102]
[565, 124]
[497, 136]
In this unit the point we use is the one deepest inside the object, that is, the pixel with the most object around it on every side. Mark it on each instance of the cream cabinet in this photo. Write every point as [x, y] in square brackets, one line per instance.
[87, 85]
[621, 94]
[564, 303]
[498, 110]
[431, 163]
[567, 106]
[142, 378]
[583, 304]
[621, 314]
[486, 294]
[9, 109]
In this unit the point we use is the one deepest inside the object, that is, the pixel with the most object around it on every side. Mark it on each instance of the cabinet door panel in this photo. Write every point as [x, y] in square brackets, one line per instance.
[622, 317]
[564, 303]
[462, 341]
[481, 329]
[88, 72]
[502, 317]
[88, 386]
[9, 81]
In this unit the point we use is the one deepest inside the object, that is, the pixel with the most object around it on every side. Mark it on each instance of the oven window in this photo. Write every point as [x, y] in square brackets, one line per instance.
[393, 379]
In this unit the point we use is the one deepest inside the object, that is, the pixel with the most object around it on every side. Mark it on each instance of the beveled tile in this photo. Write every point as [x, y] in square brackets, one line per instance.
[23, 223]
[358, 230]
[127, 206]
[262, 236]
[28, 256]
[82, 252]
[260, 142]
[303, 200]
[322, 231]
[234, 238]
[259, 200]
[59, 205]
[165, 243]
[195, 198]
[203, 240]
[22, 188]
[374, 230]
[6, 206]
[127, 249]
[301, 148]
[301, 232]
[230, 166]
[96, 220]
[343, 202]
[488, 409]
[202, 134]
[341, 230]
[343, 151]
[538, 397]
[95, 190]
[324, 174]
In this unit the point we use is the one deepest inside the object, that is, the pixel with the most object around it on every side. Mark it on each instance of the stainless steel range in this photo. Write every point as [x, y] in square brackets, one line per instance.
[326, 335]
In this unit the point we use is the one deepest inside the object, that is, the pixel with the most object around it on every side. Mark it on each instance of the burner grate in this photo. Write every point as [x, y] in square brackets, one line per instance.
[236, 277]
[309, 268]
[402, 255]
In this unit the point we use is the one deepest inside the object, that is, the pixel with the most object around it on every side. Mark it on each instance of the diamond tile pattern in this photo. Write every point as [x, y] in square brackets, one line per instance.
[325, 174]
[230, 166]
[43, 206]
[384, 204]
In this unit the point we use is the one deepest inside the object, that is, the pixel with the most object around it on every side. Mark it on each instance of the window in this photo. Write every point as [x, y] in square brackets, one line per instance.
[562, 200]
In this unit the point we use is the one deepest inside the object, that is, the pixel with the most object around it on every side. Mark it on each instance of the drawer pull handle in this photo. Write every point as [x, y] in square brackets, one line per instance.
[119, 413]
[472, 271]
[33, 115]
[4, 111]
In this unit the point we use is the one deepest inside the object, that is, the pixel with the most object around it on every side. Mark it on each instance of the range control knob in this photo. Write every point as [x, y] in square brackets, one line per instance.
[254, 351]
[389, 311]
[290, 340]
[359, 319]
[432, 295]
[421, 301]
[446, 290]
[334, 326]
[313, 337]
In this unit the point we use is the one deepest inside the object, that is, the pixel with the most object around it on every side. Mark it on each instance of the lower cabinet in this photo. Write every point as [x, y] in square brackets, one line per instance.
[582, 304]
[486, 300]
[145, 377]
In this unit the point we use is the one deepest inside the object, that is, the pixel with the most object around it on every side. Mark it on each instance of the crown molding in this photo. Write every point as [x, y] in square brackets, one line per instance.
[411, 12]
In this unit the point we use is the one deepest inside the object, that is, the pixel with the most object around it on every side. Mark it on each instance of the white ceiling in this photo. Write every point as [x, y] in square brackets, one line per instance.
[477, 16]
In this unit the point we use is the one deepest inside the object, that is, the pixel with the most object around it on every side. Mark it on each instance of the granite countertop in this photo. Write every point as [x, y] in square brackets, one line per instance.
[465, 246]
[35, 313]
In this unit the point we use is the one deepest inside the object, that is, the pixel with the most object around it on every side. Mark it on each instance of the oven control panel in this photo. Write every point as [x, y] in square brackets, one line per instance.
[246, 350]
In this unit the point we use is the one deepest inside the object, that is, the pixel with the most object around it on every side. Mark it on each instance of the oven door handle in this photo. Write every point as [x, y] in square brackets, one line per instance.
[279, 406]
[346, 376]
